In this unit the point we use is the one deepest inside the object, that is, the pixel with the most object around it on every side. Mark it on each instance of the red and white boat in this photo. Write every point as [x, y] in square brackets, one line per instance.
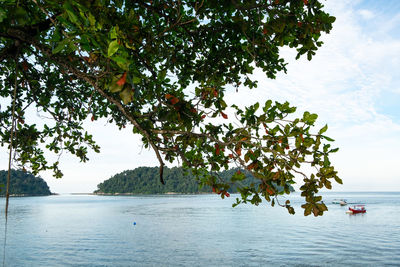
[357, 209]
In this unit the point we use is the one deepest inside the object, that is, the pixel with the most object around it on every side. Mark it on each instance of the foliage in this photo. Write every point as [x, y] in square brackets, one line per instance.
[23, 183]
[145, 180]
[163, 67]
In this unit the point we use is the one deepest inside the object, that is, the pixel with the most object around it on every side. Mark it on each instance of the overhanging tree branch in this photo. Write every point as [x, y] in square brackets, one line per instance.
[116, 61]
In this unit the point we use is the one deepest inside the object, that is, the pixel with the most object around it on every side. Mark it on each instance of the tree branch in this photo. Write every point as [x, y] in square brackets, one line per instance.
[20, 35]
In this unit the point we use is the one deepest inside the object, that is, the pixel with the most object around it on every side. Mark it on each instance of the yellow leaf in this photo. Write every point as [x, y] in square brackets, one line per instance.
[126, 95]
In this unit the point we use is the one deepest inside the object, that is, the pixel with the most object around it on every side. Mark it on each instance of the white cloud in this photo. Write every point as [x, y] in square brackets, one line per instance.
[391, 25]
[366, 14]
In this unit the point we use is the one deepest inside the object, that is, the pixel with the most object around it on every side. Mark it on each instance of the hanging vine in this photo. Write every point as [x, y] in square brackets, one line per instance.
[10, 151]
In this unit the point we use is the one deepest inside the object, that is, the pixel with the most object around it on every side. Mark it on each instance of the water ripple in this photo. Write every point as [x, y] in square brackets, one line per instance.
[199, 231]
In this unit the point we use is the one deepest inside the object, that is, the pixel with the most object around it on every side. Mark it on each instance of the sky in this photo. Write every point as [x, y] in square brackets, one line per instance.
[353, 84]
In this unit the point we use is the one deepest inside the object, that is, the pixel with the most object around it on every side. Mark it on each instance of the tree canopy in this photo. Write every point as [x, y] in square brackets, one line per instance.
[145, 180]
[23, 183]
[163, 67]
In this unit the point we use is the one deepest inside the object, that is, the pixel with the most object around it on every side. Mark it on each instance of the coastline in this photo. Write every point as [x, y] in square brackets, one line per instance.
[29, 195]
[142, 194]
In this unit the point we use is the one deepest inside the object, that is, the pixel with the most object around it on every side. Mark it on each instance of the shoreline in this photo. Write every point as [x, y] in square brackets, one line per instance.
[29, 195]
[143, 194]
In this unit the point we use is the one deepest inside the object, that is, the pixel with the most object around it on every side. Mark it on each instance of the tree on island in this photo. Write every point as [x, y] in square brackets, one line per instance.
[164, 67]
[24, 184]
[145, 180]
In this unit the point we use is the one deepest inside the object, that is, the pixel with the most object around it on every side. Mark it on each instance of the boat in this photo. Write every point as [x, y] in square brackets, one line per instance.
[342, 202]
[357, 209]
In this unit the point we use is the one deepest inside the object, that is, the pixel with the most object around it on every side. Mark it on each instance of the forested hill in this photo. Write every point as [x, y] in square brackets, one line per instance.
[146, 180]
[23, 184]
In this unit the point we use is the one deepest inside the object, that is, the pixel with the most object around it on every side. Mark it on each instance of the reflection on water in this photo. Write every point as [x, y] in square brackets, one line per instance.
[201, 230]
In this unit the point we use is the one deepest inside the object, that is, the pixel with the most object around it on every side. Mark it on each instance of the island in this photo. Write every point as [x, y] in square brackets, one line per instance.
[23, 184]
[145, 180]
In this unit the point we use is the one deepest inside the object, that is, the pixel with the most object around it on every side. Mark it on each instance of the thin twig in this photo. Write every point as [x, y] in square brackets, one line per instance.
[45, 12]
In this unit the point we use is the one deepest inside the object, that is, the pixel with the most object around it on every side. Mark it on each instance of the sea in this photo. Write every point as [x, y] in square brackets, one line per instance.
[198, 230]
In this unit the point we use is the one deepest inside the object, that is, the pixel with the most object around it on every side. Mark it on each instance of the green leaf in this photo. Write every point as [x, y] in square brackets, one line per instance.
[92, 19]
[327, 138]
[3, 14]
[267, 105]
[71, 13]
[113, 48]
[328, 184]
[113, 33]
[127, 45]
[122, 62]
[306, 114]
[313, 117]
[338, 180]
[326, 161]
[61, 45]
[136, 80]
[222, 104]
[309, 55]
[162, 74]
[309, 118]
[323, 129]
[334, 150]
[21, 16]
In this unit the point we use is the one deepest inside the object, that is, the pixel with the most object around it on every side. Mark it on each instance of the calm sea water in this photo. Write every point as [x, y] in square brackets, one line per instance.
[198, 230]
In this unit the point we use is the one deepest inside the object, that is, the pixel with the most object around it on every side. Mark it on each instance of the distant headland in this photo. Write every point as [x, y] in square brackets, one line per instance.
[23, 184]
[145, 180]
